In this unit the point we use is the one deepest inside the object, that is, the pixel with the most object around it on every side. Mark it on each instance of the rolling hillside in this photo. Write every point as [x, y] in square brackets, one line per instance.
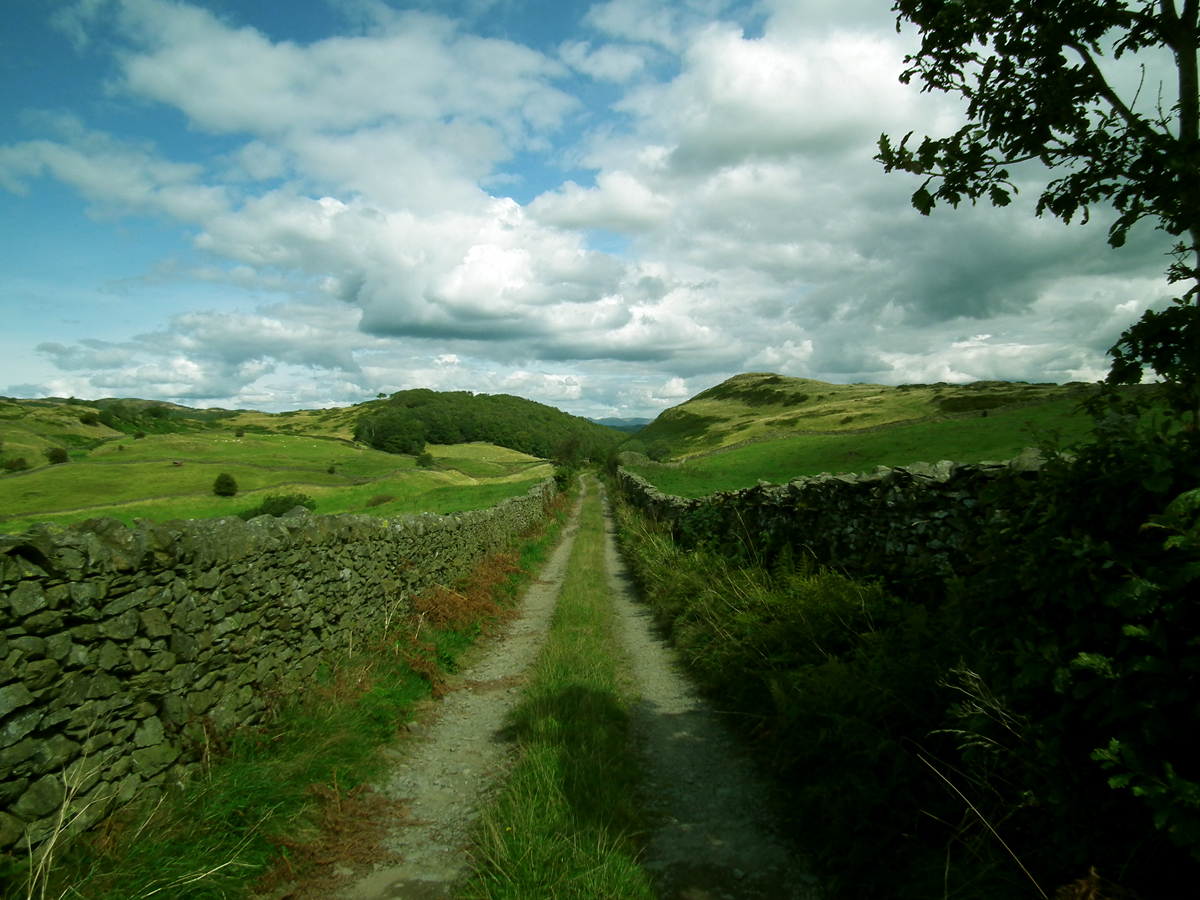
[757, 404]
[136, 459]
[767, 427]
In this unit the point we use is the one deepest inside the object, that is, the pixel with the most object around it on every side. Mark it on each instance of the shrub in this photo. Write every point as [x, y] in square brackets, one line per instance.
[278, 505]
[379, 500]
[425, 459]
[659, 451]
[563, 476]
[225, 485]
[56, 455]
[138, 435]
[89, 419]
[16, 465]
[241, 432]
[331, 470]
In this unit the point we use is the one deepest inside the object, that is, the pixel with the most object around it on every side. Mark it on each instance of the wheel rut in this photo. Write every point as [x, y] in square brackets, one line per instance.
[714, 834]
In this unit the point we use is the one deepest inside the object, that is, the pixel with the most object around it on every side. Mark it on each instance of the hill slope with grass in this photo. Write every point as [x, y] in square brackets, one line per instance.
[768, 427]
[160, 462]
[757, 404]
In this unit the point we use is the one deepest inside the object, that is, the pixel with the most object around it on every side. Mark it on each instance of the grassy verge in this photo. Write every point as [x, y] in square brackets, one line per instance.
[566, 824]
[281, 803]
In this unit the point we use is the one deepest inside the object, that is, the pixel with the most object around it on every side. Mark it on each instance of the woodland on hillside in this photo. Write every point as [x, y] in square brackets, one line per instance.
[408, 420]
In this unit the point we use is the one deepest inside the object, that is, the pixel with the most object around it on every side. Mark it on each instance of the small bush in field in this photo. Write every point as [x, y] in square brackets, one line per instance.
[225, 485]
[241, 432]
[278, 505]
[16, 465]
[425, 460]
[56, 455]
[379, 500]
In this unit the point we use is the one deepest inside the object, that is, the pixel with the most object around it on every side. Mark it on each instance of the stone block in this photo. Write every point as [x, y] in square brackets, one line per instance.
[26, 599]
[152, 760]
[39, 673]
[40, 799]
[14, 696]
[29, 646]
[149, 732]
[11, 829]
[155, 623]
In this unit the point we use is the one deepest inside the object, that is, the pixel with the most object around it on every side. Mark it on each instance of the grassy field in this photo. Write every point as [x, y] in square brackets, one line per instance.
[1002, 435]
[129, 479]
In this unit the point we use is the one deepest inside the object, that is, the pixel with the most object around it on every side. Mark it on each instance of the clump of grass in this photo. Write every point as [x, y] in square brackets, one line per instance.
[379, 500]
[567, 824]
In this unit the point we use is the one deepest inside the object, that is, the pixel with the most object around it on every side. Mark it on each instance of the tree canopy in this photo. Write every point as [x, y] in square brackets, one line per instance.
[408, 419]
[1038, 76]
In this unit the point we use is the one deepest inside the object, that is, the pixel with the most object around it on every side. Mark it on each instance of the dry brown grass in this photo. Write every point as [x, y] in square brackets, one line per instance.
[348, 830]
[1093, 887]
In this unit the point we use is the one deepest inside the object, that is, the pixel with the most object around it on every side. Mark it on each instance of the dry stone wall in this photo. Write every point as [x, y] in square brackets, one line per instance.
[910, 524]
[119, 646]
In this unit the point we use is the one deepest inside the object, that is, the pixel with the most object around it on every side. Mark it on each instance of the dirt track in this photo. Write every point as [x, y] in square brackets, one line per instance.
[711, 835]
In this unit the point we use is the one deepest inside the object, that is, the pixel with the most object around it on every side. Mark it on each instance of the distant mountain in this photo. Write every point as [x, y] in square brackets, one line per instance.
[629, 426]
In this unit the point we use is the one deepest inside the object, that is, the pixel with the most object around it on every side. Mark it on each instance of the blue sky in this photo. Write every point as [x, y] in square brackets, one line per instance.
[603, 206]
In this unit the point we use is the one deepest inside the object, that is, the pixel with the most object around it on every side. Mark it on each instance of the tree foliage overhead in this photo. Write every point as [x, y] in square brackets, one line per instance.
[409, 419]
[1038, 81]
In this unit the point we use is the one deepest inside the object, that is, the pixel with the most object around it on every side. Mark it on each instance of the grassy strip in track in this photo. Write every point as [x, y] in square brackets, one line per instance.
[566, 824]
[285, 801]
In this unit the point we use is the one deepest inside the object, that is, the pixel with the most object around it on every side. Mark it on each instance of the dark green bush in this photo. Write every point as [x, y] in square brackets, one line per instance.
[278, 505]
[56, 456]
[1085, 623]
[424, 459]
[16, 464]
[563, 477]
[225, 485]
[379, 500]
[659, 451]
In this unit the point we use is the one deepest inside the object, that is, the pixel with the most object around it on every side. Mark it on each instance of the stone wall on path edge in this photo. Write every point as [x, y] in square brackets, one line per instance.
[909, 523]
[119, 646]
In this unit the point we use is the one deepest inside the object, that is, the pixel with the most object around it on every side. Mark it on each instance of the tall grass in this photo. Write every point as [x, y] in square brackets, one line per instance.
[566, 825]
[282, 802]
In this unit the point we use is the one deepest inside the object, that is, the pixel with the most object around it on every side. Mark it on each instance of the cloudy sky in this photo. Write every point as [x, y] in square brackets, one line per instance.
[602, 206]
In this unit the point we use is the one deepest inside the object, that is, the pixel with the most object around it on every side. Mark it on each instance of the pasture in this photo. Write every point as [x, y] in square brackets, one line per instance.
[1003, 434]
[170, 476]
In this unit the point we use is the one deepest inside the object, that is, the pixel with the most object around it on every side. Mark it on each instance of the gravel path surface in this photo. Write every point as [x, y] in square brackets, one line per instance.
[714, 836]
[458, 760]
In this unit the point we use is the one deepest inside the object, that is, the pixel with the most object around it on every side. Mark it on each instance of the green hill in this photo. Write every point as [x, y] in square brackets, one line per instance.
[761, 403]
[406, 420]
[767, 427]
[140, 459]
